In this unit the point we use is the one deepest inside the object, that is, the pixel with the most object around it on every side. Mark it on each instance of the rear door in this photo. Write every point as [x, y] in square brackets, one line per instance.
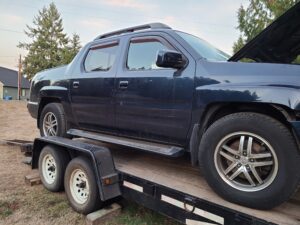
[152, 103]
[92, 90]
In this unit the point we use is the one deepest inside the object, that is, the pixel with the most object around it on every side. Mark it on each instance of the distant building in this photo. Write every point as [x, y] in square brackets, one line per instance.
[9, 84]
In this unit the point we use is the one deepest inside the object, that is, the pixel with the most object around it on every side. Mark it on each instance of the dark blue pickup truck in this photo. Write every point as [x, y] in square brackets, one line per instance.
[164, 91]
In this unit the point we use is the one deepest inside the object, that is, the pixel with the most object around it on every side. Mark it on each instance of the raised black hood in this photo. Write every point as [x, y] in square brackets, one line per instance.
[278, 43]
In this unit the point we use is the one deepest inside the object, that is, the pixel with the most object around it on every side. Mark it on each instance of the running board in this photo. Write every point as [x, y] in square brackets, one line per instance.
[161, 149]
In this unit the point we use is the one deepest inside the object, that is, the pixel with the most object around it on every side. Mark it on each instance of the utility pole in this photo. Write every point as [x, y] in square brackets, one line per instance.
[19, 77]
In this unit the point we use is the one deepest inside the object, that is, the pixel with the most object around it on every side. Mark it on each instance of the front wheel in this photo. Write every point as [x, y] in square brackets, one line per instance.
[52, 121]
[81, 187]
[250, 159]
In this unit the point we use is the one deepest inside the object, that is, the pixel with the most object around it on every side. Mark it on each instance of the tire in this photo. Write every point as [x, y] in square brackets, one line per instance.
[277, 180]
[84, 199]
[52, 121]
[53, 159]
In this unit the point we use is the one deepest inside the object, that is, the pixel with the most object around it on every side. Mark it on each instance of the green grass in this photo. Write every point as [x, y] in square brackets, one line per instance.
[7, 208]
[133, 214]
[53, 205]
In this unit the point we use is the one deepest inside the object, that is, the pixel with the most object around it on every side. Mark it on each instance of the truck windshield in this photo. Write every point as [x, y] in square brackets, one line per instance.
[204, 49]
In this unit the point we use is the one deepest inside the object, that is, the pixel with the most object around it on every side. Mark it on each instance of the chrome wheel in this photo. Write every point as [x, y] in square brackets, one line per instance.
[79, 186]
[50, 124]
[49, 169]
[246, 161]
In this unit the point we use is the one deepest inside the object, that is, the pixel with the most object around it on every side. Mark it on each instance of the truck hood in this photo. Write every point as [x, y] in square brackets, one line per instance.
[51, 74]
[278, 43]
[249, 74]
[248, 82]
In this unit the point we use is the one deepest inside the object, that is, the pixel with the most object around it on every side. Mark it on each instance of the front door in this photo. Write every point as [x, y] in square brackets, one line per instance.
[151, 102]
[92, 90]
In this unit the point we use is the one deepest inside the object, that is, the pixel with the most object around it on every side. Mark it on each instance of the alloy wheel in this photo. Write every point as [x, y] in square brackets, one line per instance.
[246, 161]
[50, 124]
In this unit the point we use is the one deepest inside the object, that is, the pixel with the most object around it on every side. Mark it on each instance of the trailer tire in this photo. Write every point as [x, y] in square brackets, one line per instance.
[261, 178]
[81, 187]
[52, 165]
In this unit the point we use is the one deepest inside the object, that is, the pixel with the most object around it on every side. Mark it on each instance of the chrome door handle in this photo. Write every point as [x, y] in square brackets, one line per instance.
[123, 84]
[75, 84]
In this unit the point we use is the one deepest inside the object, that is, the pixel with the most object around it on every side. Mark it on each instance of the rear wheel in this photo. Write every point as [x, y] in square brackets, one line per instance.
[52, 121]
[250, 159]
[81, 187]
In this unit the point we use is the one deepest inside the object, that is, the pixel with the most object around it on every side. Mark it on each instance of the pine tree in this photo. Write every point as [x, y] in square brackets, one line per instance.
[257, 16]
[49, 46]
[72, 49]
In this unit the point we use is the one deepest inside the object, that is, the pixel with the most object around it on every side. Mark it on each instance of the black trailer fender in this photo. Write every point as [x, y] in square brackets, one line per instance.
[101, 158]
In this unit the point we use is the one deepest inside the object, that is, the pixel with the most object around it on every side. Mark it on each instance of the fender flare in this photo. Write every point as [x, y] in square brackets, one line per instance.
[202, 124]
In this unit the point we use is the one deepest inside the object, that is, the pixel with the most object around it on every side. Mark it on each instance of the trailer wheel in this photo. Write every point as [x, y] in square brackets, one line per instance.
[250, 159]
[81, 186]
[52, 166]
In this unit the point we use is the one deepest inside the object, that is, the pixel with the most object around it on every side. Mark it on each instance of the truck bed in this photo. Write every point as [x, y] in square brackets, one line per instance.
[180, 175]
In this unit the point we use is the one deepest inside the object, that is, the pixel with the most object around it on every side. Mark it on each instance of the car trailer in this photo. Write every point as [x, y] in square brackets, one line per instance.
[162, 184]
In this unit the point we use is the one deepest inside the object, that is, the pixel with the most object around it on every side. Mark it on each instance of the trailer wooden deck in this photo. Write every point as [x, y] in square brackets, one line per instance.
[177, 173]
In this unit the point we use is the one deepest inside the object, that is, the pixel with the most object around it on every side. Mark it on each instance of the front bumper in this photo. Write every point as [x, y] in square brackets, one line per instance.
[33, 108]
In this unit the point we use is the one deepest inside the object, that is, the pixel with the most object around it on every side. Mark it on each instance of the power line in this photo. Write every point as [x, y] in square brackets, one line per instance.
[9, 30]
[132, 13]
[117, 13]
[196, 28]
[208, 29]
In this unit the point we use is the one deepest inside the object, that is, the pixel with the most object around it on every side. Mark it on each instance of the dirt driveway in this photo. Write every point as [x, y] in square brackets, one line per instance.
[15, 121]
[22, 204]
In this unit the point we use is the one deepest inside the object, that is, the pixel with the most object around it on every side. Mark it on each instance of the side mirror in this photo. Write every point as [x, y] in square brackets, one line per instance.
[170, 59]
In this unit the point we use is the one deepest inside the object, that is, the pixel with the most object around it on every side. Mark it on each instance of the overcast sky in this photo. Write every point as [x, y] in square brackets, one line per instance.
[212, 20]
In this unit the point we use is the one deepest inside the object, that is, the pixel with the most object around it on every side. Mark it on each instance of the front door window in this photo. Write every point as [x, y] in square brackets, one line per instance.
[142, 54]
